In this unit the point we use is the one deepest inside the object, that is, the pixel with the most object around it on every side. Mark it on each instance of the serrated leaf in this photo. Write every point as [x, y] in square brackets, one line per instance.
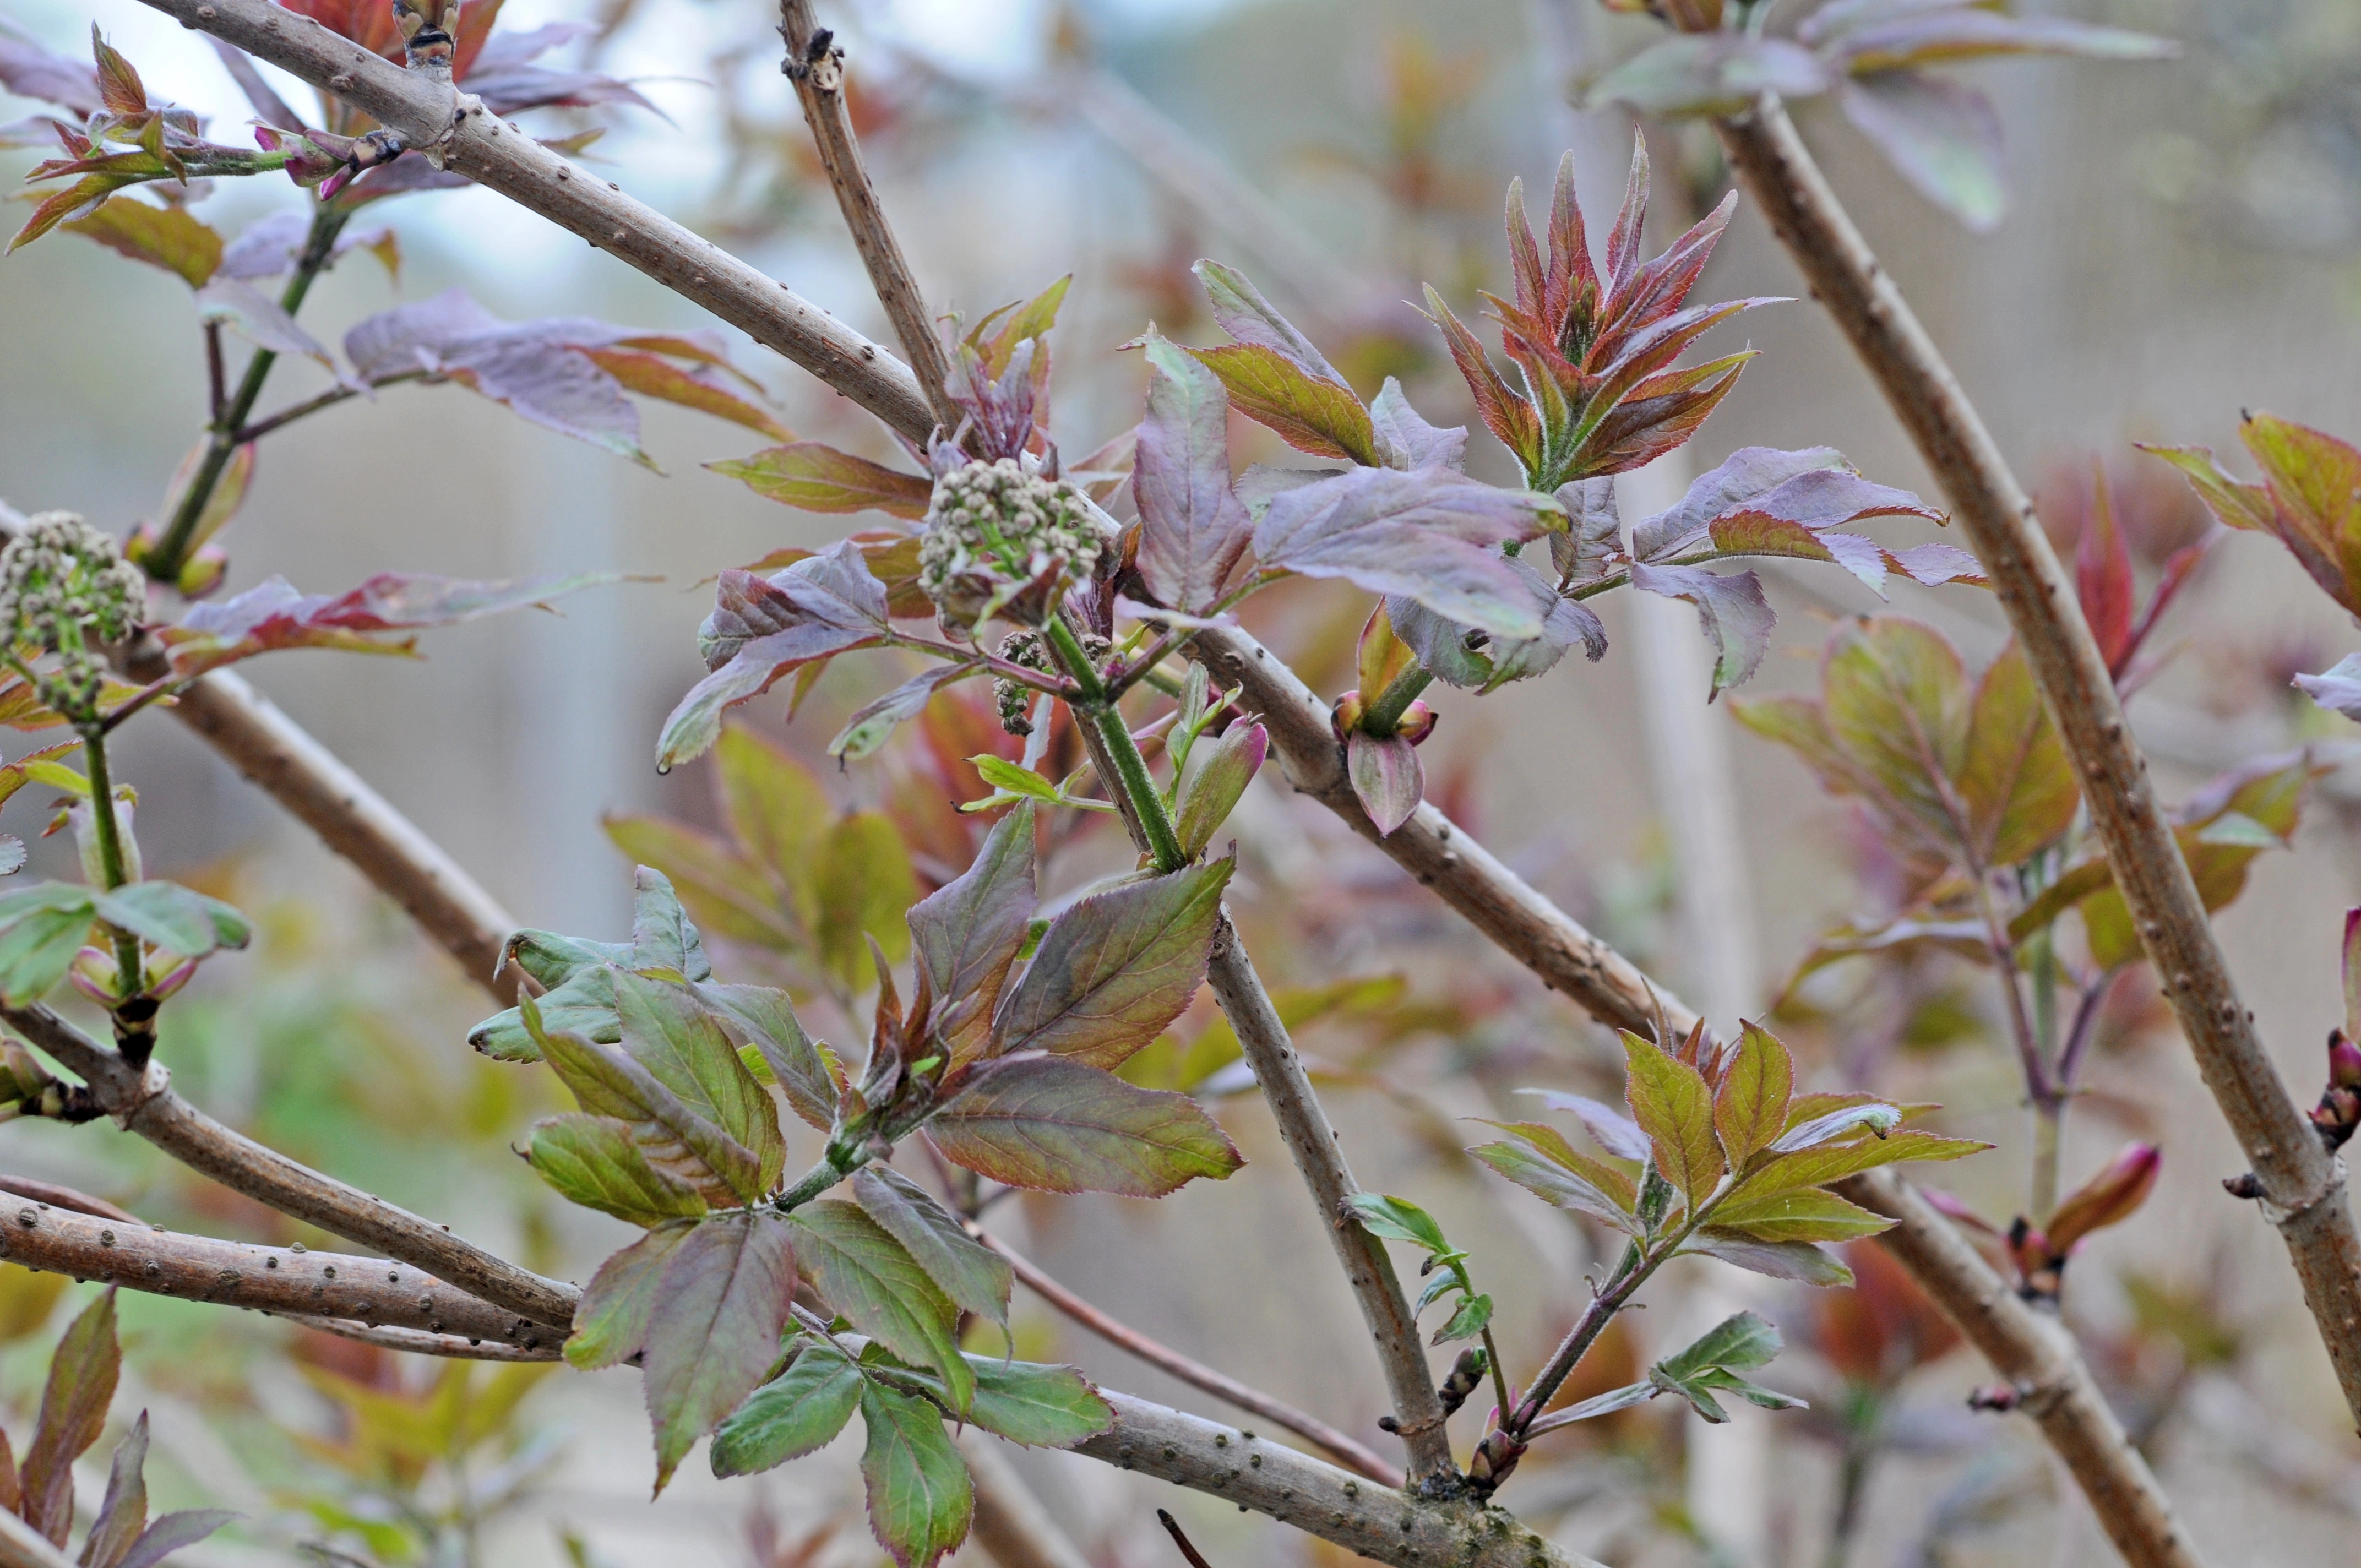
[862, 1272]
[1750, 1108]
[1239, 308]
[594, 1161]
[1730, 609]
[724, 1297]
[622, 1301]
[766, 1017]
[1057, 1125]
[2014, 779]
[1877, 1117]
[1310, 413]
[967, 933]
[1028, 1402]
[1115, 967]
[1818, 1166]
[1607, 1186]
[920, 1498]
[607, 1081]
[82, 1371]
[1897, 703]
[1615, 1133]
[1192, 529]
[815, 476]
[976, 1279]
[798, 1412]
[1398, 1219]
[1670, 1101]
[1741, 1340]
[1467, 1321]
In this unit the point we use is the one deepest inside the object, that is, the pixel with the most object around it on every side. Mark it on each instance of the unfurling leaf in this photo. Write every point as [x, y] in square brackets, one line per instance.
[1056, 1125]
[2310, 498]
[594, 1161]
[1750, 1107]
[580, 997]
[1214, 790]
[798, 1412]
[1114, 968]
[2109, 1198]
[817, 478]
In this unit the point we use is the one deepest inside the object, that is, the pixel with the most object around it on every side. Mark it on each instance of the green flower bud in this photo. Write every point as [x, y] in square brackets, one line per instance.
[65, 590]
[1000, 540]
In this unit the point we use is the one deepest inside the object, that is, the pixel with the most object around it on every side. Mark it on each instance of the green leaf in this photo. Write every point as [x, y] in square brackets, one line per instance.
[1014, 778]
[1750, 1109]
[865, 883]
[1025, 1401]
[1398, 1219]
[83, 1371]
[41, 929]
[1054, 1125]
[817, 478]
[1577, 1182]
[1474, 1314]
[1799, 1215]
[778, 814]
[968, 932]
[725, 1297]
[174, 917]
[730, 895]
[766, 1016]
[1115, 967]
[1741, 1340]
[798, 1412]
[169, 237]
[2234, 502]
[976, 1279]
[594, 1161]
[919, 1495]
[1310, 413]
[2015, 781]
[1897, 703]
[862, 1272]
[1831, 1162]
[1220, 780]
[611, 1324]
[1671, 1102]
[607, 1081]
[1799, 1261]
[668, 1030]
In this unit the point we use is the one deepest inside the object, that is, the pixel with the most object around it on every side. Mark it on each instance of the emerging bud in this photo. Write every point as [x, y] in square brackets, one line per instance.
[1495, 1457]
[1466, 1377]
[2339, 1111]
[1000, 540]
[65, 590]
[2109, 1198]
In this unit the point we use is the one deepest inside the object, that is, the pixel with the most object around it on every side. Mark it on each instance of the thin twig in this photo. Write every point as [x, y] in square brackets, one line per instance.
[145, 1104]
[329, 398]
[57, 1197]
[285, 1280]
[2037, 1358]
[2303, 1185]
[1189, 1552]
[1163, 1358]
[817, 68]
[217, 378]
[449, 1347]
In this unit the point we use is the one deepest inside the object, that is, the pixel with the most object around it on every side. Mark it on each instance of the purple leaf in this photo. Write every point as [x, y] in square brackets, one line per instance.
[83, 1371]
[2337, 688]
[1594, 530]
[968, 932]
[269, 247]
[725, 1293]
[763, 627]
[1113, 969]
[272, 614]
[1461, 657]
[619, 1307]
[1942, 136]
[1737, 621]
[1614, 1131]
[31, 72]
[873, 724]
[258, 320]
[503, 76]
[1800, 1261]
[123, 1512]
[1191, 527]
[1429, 536]
[184, 1527]
[1386, 777]
[1055, 1126]
[1709, 73]
[1746, 474]
[1951, 33]
[1406, 441]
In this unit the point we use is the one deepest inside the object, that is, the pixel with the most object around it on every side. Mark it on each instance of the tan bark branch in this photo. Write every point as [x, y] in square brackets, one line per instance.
[2303, 1185]
[1434, 850]
[286, 1280]
[472, 141]
[450, 1347]
[1376, 1521]
[145, 1104]
[2037, 1357]
[1220, 1384]
[819, 87]
[354, 820]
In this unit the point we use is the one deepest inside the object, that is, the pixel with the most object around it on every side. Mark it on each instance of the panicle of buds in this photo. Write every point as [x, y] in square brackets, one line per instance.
[1003, 540]
[65, 590]
[1014, 697]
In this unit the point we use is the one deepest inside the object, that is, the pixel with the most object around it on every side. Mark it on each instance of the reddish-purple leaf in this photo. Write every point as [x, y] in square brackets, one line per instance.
[1240, 310]
[1056, 1125]
[1192, 529]
[976, 1279]
[1113, 969]
[1736, 618]
[1744, 477]
[1405, 439]
[81, 1385]
[2337, 688]
[816, 477]
[1386, 777]
[968, 932]
[170, 1532]
[1430, 535]
[123, 1511]
[272, 614]
[31, 72]
[1510, 418]
[119, 88]
[2109, 1198]
[259, 319]
[619, 1306]
[2103, 580]
[725, 1295]
[502, 75]
[1614, 1131]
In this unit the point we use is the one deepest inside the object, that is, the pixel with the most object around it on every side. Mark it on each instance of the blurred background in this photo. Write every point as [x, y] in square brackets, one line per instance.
[2183, 240]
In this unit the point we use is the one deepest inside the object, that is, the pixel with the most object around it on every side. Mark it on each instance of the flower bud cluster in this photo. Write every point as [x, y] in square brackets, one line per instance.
[65, 590]
[1026, 648]
[1001, 540]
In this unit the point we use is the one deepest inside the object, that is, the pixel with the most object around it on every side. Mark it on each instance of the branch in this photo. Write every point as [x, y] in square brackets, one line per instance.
[816, 69]
[2037, 1357]
[1196, 1374]
[471, 141]
[450, 1347]
[57, 1197]
[284, 1280]
[1434, 850]
[1010, 1522]
[145, 1104]
[2302, 1185]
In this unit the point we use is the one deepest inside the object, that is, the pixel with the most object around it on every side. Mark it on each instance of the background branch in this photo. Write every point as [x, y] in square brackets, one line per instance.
[2303, 1185]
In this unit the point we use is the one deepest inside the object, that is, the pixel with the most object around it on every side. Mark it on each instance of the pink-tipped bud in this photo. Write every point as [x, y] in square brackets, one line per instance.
[1345, 717]
[203, 571]
[2343, 1062]
[1417, 723]
[172, 980]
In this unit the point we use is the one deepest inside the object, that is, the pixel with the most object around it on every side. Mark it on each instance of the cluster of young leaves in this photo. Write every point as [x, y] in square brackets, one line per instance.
[1004, 1058]
[2310, 498]
[1940, 134]
[1713, 1363]
[1444, 1270]
[39, 1488]
[1719, 1155]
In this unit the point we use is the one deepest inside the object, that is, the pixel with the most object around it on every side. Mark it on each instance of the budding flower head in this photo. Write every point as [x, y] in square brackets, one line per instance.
[65, 590]
[1001, 540]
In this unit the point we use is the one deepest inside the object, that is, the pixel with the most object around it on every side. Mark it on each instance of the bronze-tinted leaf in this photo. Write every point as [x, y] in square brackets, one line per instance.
[724, 1300]
[594, 1161]
[1750, 1108]
[1192, 529]
[1672, 1104]
[1055, 1126]
[621, 1303]
[1114, 967]
[169, 237]
[976, 1279]
[670, 1032]
[2015, 779]
[817, 478]
[273, 615]
[969, 931]
[81, 1385]
[1309, 413]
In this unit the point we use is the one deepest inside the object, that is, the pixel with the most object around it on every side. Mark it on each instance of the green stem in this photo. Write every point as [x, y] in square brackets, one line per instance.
[833, 1167]
[136, 1038]
[1131, 768]
[1383, 716]
[171, 552]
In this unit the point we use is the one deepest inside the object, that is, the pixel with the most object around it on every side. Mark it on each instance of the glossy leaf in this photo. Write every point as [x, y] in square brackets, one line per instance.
[866, 1275]
[1192, 529]
[815, 476]
[1398, 1219]
[42, 928]
[968, 932]
[2111, 1195]
[621, 1304]
[1114, 967]
[1750, 1107]
[82, 1371]
[594, 1161]
[1054, 1125]
[1670, 1101]
[1429, 535]
[273, 615]
[798, 1412]
[920, 1498]
[976, 1279]
[722, 1302]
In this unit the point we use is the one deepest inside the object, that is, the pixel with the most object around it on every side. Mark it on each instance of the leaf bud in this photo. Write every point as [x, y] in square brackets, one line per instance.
[1466, 1377]
[2109, 1198]
[1417, 723]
